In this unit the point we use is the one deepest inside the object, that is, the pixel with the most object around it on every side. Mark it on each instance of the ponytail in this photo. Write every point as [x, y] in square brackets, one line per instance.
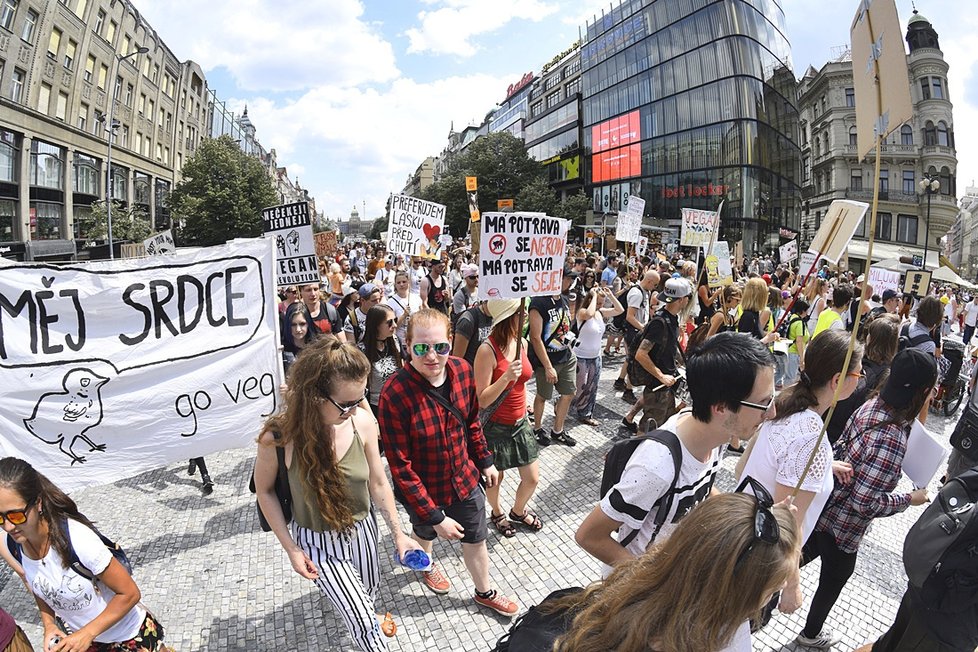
[823, 360]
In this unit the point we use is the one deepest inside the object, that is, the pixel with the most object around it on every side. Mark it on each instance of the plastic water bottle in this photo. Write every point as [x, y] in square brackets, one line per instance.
[415, 560]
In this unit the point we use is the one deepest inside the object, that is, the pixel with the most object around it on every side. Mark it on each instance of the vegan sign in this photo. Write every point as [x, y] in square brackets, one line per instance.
[521, 255]
[114, 368]
[290, 227]
[698, 227]
[415, 227]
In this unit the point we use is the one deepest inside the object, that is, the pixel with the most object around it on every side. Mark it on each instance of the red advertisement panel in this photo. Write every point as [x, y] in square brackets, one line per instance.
[616, 132]
[619, 163]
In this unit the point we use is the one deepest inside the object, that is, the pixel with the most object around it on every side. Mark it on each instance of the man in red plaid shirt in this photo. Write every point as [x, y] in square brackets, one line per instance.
[429, 422]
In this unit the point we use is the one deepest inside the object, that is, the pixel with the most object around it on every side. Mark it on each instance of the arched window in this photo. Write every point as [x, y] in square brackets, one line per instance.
[946, 183]
[942, 134]
[930, 134]
[906, 135]
[852, 135]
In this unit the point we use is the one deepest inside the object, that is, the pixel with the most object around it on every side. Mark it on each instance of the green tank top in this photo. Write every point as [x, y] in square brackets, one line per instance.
[353, 467]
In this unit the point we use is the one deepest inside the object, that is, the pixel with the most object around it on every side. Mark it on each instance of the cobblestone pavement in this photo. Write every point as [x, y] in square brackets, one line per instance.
[218, 583]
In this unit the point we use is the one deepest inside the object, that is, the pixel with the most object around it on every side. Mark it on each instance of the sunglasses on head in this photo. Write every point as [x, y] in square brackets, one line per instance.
[421, 350]
[16, 516]
[346, 408]
[766, 526]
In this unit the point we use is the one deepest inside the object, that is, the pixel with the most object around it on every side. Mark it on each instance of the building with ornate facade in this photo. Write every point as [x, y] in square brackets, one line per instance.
[924, 145]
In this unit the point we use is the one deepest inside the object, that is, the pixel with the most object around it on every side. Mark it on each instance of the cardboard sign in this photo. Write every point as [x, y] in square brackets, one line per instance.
[719, 271]
[160, 243]
[805, 264]
[326, 243]
[290, 228]
[504, 204]
[883, 279]
[522, 255]
[629, 227]
[917, 283]
[137, 363]
[472, 191]
[788, 251]
[838, 226]
[698, 227]
[641, 246]
[415, 227]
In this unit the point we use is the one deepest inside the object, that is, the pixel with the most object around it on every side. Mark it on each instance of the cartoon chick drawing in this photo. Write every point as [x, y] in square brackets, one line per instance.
[70, 414]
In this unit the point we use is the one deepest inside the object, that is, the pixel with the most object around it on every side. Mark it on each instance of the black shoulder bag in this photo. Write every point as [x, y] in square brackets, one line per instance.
[282, 490]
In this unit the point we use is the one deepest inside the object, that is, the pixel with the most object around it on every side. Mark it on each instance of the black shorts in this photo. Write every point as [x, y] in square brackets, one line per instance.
[470, 514]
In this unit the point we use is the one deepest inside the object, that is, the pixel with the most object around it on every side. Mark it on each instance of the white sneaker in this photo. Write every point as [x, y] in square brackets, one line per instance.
[825, 639]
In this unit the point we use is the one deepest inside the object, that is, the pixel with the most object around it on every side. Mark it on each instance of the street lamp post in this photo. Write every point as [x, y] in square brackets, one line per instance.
[931, 186]
[112, 126]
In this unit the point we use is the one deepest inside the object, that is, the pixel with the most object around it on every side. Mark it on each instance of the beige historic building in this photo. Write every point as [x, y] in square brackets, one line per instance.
[922, 147]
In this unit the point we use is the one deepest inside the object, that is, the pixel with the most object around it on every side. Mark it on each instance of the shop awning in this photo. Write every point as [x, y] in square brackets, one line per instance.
[889, 251]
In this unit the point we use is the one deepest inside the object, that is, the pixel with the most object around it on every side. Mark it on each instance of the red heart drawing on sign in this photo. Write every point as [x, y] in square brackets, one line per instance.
[431, 231]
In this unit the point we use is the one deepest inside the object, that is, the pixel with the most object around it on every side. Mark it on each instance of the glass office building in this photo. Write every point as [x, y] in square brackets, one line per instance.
[690, 102]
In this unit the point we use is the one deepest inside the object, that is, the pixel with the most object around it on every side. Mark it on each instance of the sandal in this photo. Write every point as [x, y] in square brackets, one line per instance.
[534, 523]
[503, 525]
[388, 626]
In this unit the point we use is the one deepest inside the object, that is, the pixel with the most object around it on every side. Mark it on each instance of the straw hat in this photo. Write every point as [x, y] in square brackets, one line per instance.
[502, 309]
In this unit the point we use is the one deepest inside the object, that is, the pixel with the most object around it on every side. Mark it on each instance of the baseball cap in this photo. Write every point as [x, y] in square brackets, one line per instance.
[911, 370]
[767, 278]
[675, 288]
[367, 289]
[889, 294]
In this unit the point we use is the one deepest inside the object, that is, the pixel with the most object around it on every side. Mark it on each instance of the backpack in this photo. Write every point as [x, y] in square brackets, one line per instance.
[536, 630]
[940, 553]
[355, 322]
[788, 323]
[620, 321]
[74, 563]
[907, 342]
[964, 437]
[614, 466]
[638, 375]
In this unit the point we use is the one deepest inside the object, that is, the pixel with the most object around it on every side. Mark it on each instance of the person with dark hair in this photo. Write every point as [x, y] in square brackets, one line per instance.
[382, 350]
[798, 337]
[731, 388]
[874, 444]
[777, 456]
[297, 333]
[336, 476]
[356, 313]
[323, 316]
[831, 318]
[924, 333]
[104, 613]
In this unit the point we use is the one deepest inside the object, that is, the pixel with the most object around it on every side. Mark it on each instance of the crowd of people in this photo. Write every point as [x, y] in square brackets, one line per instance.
[407, 388]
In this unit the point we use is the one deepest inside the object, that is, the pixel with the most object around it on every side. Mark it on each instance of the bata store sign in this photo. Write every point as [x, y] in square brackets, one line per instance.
[617, 153]
[513, 88]
[689, 190]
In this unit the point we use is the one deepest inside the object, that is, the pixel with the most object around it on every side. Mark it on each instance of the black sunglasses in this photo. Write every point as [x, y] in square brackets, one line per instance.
[346, 408]
[17, 516]
[766, 526]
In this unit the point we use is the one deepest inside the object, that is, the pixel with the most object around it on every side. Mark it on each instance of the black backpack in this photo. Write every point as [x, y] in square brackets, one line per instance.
[940, 553]
[74, 563]
[536, 630]
[907, 342]
[788, 323]
[620, 321]
[614, 466]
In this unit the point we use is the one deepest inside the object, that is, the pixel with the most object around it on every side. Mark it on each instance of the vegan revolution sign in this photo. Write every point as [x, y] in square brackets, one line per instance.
[521, 255]
[117, 367]
[289, 225]
[415, 227]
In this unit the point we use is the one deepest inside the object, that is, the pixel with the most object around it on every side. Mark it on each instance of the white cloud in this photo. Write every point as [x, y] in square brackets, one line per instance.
[451, 28]
[276, 46]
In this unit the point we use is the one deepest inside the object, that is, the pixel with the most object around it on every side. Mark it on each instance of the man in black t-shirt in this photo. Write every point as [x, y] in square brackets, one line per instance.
[325, 318]
[471, 330]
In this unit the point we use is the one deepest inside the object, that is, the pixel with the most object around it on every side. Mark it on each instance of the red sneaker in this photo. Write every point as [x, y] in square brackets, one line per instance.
[498, 603]
[435, 580]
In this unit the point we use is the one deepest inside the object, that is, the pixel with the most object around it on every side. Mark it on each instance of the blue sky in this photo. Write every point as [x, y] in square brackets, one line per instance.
[353, 95]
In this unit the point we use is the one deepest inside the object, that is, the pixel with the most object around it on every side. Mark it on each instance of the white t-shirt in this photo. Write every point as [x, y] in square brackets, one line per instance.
[74, 599]
[399, 306]
[647, 476]
[590, 338]
[638, 300]
[781, 453]
[416, 275]
[971, 313]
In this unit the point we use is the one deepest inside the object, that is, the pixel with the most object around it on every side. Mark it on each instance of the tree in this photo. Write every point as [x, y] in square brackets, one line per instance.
[574, 208]
[537, 197]
[128, 223]
[500, 163]
[221, 195]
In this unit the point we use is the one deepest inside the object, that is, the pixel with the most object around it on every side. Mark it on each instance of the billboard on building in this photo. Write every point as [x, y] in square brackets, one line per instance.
[616, 152]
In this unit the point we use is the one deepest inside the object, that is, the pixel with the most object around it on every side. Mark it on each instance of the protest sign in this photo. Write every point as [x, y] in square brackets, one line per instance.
[160, 243]
[838, 226]
[806, 262]
[788, 251]
[117, 367]
[917, 283]
[629, 227]
[883, 279]
[738, 253]
[698, 227]
[326, 243]
[521, 255]
[290, 228]
[472, 192]
[719, 271]
[445, 240]
[415, 227]
[642, 245]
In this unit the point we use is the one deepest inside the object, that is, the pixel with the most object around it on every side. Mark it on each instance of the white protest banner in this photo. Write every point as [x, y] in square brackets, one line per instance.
[635, 207]
[838, 226]
[291, 229]
[415, 227]
[629, 227]
[788, 251]
[160, 243]
[641, 246]
[698, 227]
[805, 264]
[883, 279]
[521, 255]
[113, 368]
[719, 271]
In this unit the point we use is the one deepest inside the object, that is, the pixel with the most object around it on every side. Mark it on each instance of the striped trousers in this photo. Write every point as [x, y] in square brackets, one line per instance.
[349, 573]
[588, 373]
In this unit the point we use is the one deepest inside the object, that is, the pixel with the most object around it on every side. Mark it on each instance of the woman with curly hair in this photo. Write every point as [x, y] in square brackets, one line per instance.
[696, 589]
[335, 475]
